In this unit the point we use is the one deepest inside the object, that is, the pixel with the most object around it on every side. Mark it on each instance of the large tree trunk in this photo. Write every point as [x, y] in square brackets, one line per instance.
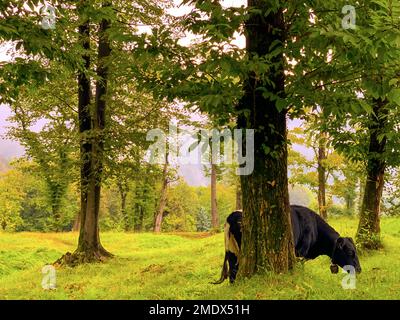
[91, 131]
[267, 242]
[368, 233]
[214, 208]
[322, 176]
[163, 198]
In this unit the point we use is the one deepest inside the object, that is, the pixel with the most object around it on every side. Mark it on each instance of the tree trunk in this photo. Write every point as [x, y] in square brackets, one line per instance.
[163, 199]
[238, 197]
[55, 211]
[123, 211]
[214, 208]
[139, 211]
[139, 220]
[368, 233]
[123, 192]
[322, 176]
[77, 222]
[361, 193]
[267, 240]
[349, 203]
[92, 147]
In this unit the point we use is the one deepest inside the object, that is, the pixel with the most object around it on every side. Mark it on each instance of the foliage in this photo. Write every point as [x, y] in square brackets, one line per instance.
[10, 200]
[181, 208]
[24, 205]
[203, 220]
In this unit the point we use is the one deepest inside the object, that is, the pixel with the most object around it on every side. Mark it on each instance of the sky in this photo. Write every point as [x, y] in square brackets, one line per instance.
[8, 148]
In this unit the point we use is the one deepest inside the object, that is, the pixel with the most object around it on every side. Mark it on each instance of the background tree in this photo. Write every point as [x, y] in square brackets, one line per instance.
[10, 200]
[52, 147]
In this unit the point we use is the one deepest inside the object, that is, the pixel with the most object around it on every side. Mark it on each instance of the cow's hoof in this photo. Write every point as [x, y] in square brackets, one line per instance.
[334, 268]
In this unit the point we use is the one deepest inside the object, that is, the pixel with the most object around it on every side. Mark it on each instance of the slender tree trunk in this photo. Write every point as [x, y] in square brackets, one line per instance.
[85, 127]
[55, 211]
[322, 176]
[368, 233]
[267, 240]
[123, 211]
[92, 147]
[77, 222]
[214, 208]
[163, 198]
[238, 197]
[123, 192]
[349, 203]
[139, 194]
[139, 220]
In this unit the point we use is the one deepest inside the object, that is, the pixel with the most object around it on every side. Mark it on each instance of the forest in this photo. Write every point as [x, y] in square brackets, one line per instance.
[145, 124]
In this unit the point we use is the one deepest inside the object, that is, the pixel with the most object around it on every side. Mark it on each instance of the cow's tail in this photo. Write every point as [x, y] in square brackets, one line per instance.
[224, 272]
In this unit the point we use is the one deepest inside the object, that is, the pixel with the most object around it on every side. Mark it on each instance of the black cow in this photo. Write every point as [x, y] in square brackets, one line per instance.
[312, 237]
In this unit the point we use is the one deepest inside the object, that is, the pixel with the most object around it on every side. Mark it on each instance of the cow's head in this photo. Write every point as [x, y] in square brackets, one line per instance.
[345, 254]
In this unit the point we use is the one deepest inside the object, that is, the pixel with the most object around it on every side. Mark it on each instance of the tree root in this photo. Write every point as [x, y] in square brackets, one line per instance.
[82, 257]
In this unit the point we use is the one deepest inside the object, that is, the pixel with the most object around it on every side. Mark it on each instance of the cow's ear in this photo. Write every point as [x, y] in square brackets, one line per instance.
[340, 242]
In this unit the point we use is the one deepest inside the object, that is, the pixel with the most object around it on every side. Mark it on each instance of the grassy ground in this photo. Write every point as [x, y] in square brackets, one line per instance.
[180, 266]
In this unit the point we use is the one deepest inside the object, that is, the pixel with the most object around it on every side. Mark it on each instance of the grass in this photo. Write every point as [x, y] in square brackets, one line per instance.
[180, 266]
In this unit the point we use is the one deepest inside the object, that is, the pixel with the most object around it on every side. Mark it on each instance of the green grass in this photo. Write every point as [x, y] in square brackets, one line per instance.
[180, 266]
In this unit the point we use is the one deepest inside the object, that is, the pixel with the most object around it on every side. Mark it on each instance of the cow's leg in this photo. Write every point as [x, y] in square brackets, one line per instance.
[233, 266]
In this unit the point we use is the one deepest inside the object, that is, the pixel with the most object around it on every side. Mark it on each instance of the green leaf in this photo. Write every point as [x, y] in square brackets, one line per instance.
[394, 96]
[281, 104]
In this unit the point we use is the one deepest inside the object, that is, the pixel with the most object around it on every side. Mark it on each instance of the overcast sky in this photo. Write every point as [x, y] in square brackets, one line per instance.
[8, 149]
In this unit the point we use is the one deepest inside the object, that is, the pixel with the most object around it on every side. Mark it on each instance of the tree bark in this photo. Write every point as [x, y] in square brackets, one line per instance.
[322, 176]
[368, 233]
[361, 193]
[163, 198]
[214, 208]
[267, 240]
[238, 197]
